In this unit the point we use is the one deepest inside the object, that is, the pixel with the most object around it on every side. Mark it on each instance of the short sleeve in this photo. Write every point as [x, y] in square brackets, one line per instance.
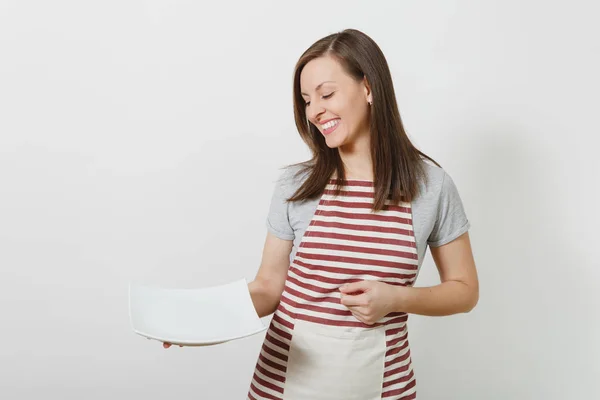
[278, 219]
[451, 219]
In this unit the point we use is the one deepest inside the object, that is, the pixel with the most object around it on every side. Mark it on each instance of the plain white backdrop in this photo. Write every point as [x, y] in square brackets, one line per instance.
[140, 140]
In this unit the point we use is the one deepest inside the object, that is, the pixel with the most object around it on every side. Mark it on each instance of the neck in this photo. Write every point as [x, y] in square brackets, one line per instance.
[356, 158]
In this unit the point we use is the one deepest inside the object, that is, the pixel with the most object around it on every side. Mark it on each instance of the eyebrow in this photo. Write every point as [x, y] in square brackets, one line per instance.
[319, 86]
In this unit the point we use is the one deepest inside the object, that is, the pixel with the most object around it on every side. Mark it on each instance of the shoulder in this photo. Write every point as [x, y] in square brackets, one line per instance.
[436, 186]
[432, 180]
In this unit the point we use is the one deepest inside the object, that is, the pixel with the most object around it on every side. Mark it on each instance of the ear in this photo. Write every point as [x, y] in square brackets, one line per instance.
[367, 90]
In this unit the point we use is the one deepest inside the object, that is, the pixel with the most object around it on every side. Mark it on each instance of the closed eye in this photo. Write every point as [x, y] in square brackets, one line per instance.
[327, 96]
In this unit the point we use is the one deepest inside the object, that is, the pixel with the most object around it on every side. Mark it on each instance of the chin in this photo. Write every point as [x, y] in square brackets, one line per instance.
[333, 143]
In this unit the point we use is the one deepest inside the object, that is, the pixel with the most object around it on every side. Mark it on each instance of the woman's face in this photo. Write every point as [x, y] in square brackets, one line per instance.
[335, 103]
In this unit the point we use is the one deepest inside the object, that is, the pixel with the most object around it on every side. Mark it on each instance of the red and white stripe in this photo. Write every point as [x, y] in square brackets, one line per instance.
[345, 242]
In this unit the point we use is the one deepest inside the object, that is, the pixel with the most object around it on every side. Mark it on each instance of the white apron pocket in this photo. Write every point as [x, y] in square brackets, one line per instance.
[332, 363]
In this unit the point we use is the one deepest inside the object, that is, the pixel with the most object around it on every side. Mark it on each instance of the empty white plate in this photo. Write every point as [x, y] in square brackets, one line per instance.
[201, 316]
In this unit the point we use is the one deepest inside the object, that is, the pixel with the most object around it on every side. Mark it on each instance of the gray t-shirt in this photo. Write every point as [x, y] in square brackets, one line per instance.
[438, 214]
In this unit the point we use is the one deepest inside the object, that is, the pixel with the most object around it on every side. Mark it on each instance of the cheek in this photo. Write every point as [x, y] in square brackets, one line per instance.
[360, 115]
[344, 109]
[351, 114]
[337, 107]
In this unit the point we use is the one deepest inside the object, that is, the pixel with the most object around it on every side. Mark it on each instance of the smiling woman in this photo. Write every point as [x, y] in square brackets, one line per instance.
[346, 112]
[347, 234]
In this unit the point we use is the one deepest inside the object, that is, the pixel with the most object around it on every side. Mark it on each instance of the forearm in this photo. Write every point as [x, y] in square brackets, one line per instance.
[265, 302]
[447, 298]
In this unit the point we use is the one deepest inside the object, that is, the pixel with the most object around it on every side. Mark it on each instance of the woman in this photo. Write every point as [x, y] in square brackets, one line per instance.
[347, 233]
[341, 256]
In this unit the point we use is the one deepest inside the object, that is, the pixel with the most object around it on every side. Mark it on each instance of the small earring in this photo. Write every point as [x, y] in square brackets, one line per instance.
[370, 102]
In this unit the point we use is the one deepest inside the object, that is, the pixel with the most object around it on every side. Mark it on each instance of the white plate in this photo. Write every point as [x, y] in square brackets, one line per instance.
[201, 316]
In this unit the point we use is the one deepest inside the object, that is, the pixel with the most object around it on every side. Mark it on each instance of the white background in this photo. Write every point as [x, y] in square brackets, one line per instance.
[140, 140]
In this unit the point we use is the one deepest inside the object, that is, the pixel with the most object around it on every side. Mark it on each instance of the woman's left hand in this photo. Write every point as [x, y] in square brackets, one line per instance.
[373, 301]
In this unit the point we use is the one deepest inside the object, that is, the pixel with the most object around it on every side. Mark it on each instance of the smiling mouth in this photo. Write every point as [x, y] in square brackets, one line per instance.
[330, 126]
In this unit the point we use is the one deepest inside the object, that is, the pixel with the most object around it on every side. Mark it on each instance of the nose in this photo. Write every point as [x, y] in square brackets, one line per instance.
[314, 111]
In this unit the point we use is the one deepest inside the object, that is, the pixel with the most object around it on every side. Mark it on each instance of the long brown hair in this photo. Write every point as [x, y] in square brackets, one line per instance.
[397, 163]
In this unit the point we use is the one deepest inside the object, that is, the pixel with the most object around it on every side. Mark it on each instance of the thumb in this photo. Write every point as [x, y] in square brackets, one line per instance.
[359, 286]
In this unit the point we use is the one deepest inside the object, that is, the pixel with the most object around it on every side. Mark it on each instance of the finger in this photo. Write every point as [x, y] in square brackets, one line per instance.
[357, 311]
[353, 300]
[360, 310]
[363, 315]
[358, 315]
[360, 286]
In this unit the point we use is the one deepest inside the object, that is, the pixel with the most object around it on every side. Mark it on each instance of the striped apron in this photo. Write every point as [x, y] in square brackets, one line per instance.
[314, 348]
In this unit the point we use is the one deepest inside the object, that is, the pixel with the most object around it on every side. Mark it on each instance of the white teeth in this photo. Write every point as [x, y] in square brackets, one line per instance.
[330, 124]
